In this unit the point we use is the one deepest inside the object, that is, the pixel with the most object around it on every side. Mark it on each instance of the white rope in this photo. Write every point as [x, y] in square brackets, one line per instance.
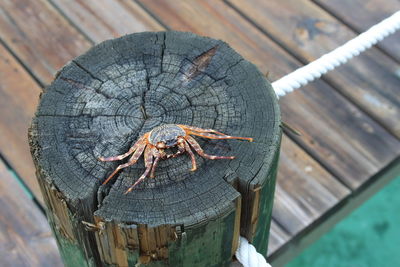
[246, 252]
[340, 55]
[248, 256]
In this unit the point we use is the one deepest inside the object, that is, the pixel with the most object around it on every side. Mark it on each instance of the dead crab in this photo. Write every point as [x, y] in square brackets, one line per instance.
[165, 136]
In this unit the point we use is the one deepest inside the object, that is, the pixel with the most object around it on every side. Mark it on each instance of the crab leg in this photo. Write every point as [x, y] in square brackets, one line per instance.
[200, 130]
[131, 161]
[213, 136]
[131, 150]
[200, 151]
[192, 157]
[148, 162]
[157, 156]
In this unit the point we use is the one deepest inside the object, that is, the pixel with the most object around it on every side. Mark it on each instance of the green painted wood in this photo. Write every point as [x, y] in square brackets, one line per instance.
[103, 101]
[266, 201]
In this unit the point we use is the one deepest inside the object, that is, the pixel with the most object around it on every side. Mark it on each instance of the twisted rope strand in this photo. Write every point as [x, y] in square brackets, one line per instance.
[248, 255]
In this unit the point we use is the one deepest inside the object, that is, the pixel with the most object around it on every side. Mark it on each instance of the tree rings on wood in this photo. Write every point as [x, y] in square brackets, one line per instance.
[101, 102]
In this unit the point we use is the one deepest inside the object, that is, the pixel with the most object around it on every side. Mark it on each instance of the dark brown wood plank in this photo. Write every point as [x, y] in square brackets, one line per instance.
[40, 36]
[369, 80]
[97, 18]
[332, 138]
[304, 190]
[347, 141]
[363, 14]
[277, 238]
[25, 236]
[217, 20]
[19, 95]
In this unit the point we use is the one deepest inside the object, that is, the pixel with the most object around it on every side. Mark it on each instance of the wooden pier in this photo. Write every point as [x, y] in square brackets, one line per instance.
[349, 119]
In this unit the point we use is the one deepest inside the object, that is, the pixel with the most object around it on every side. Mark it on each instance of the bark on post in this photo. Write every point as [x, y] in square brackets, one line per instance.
[101, 102]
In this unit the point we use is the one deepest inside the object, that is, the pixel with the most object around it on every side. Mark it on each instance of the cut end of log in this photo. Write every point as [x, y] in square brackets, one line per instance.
[103, 101]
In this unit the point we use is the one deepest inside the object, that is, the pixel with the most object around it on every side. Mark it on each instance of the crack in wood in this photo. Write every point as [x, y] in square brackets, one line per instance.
[163, 47]
[87, 71]
[83, 86]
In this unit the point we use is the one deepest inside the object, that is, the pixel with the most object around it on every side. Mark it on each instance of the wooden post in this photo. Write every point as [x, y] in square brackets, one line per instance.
[101, 102]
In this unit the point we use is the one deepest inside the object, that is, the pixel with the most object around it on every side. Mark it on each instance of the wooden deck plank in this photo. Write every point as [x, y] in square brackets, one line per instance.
[347, 138]
[40, 36]
[277, 237]
[331, 137]
[19, 95]
[363, 14]
[369, 80]
[25, 236]
[304, 190]
[246, 40]
[97, 17]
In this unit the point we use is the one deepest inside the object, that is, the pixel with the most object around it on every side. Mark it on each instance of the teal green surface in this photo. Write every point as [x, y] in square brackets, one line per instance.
[369, 236]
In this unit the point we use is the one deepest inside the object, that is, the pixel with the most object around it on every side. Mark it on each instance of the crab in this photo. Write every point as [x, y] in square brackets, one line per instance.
[155, 143]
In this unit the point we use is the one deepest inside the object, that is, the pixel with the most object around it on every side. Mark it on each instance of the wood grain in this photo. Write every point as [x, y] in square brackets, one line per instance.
[19, 95]
[369, 80]
[218, 20]
[304, 191]
[40, 36]
[97, 18]
[277, 238]
[25, 236]
[363, 14]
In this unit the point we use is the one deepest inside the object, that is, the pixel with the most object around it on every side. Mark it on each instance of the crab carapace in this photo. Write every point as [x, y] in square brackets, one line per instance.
[155, 143]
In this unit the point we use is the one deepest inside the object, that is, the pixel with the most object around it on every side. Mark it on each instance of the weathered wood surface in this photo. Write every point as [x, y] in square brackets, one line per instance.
[43, 38]
[103, 101]
[309, 32]
[96, 18]
[363, 14]
[277, 237]
[299, 199]
[25, 236]
[19, 96]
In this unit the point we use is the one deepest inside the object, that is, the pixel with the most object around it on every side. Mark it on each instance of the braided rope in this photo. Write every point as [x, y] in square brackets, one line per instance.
[248, 255]
[340, 55]
[246, 252]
